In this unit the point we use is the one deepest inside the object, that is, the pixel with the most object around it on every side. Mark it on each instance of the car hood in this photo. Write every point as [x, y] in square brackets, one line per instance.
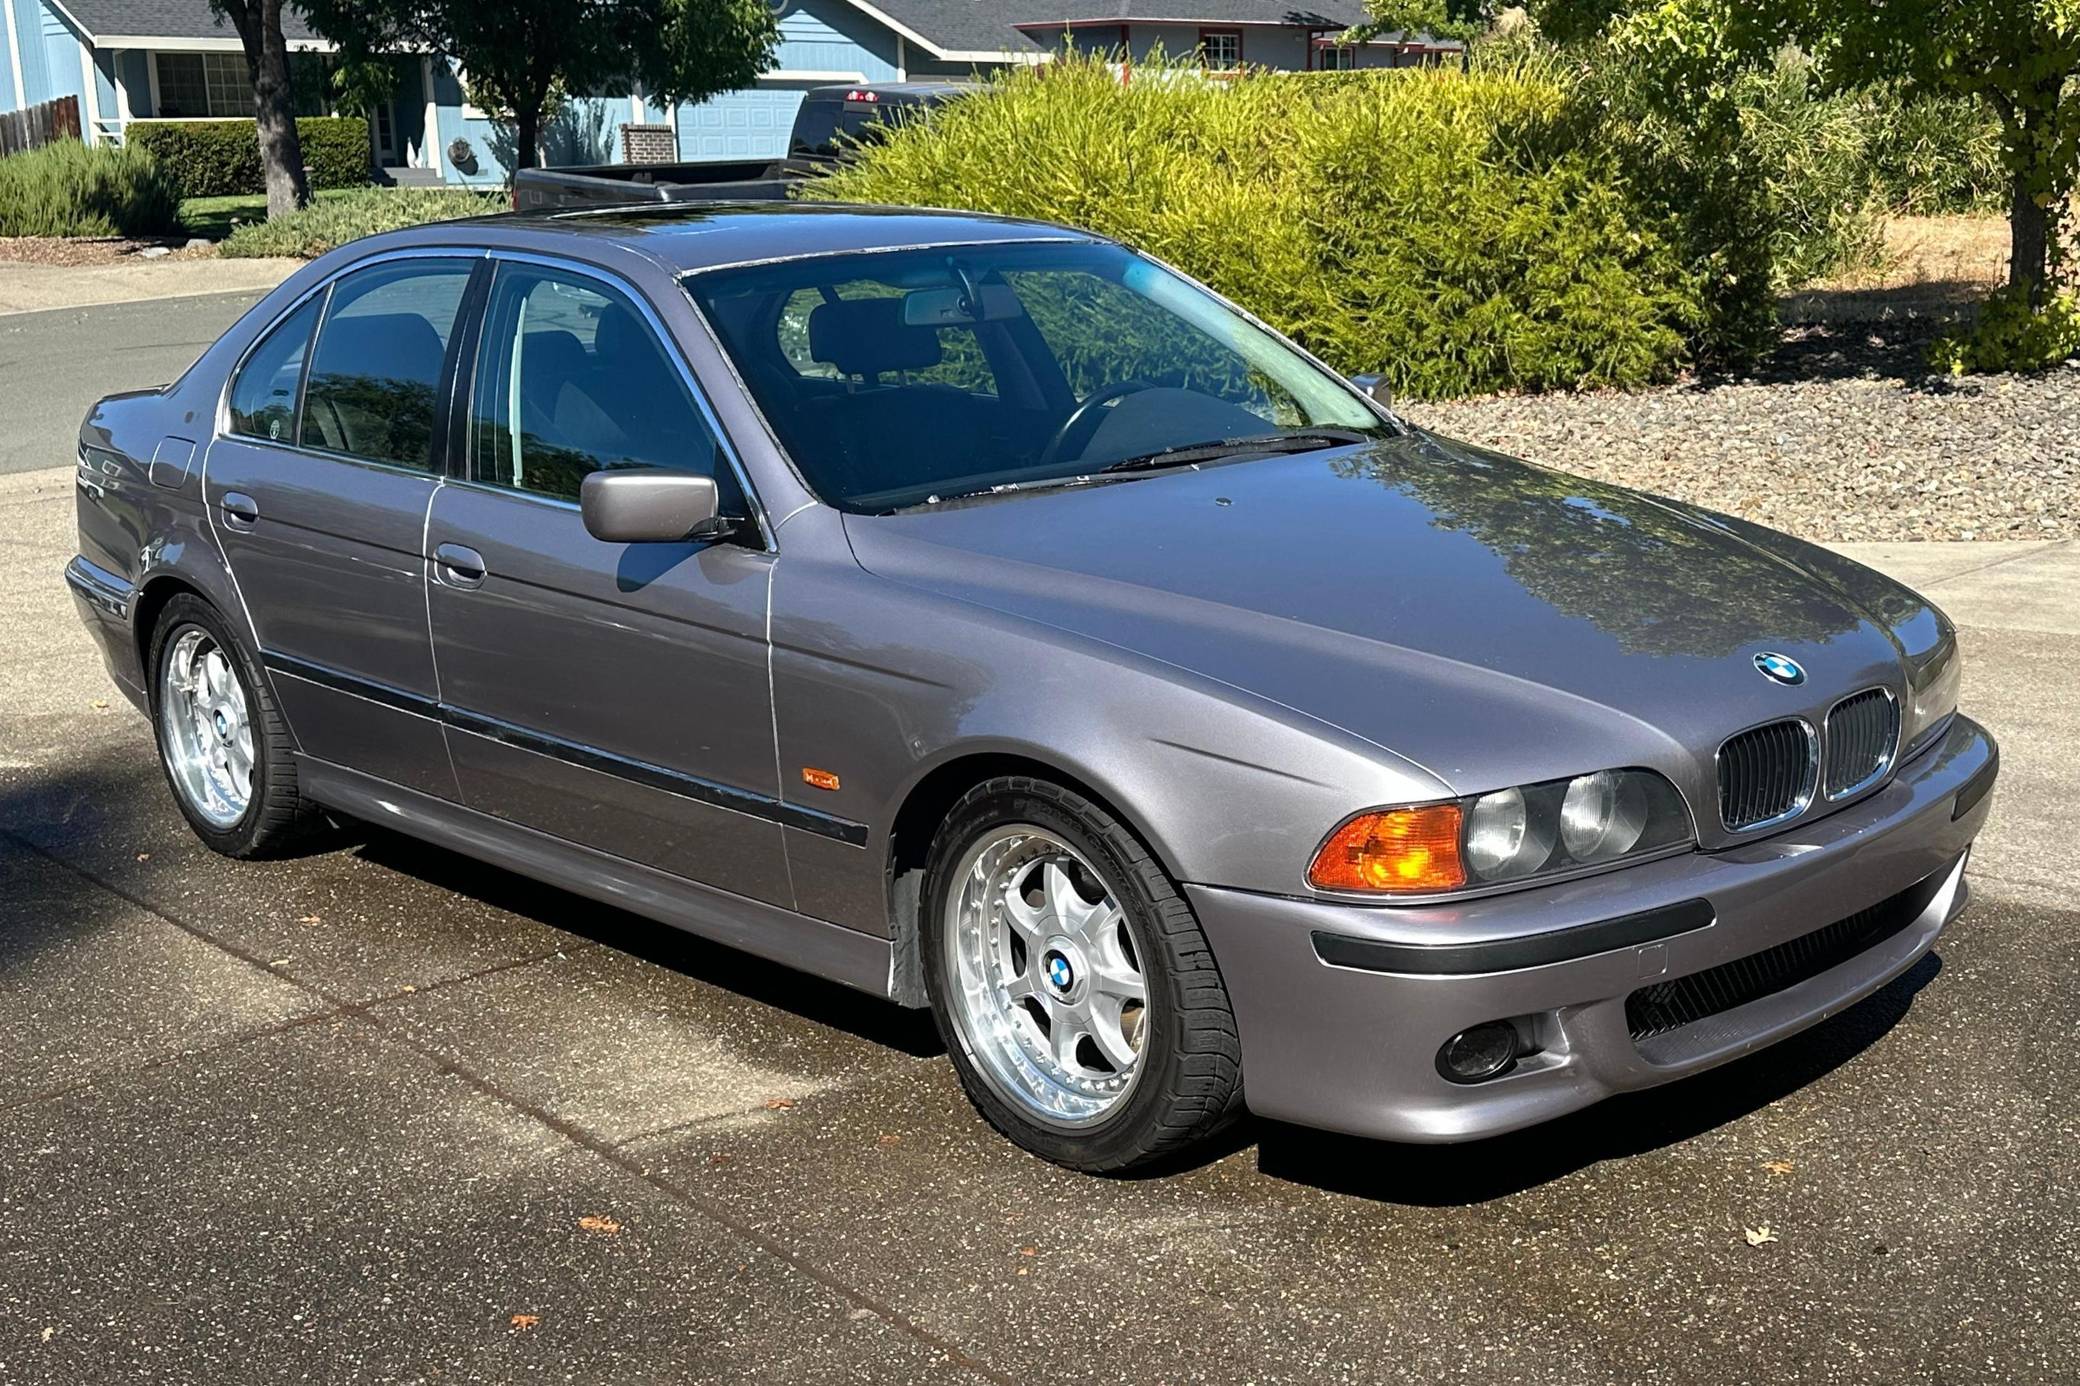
[1493, 621]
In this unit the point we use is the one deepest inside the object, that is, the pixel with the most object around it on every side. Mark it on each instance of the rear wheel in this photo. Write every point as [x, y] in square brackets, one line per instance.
[1072, 985]
[222, 742]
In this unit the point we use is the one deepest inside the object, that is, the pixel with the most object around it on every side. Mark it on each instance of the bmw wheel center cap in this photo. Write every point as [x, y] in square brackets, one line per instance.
[1780, 669]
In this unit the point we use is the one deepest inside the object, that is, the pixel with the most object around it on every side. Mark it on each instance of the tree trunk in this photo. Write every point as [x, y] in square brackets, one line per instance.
[2028, 243]
[527, 136]
[259, 25]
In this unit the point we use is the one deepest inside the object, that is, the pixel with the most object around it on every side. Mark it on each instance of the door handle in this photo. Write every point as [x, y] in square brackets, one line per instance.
[240, 510]
[459, 566]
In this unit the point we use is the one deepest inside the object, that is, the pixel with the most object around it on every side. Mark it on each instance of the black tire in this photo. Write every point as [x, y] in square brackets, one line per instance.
[277, 817]
[1190, 1082]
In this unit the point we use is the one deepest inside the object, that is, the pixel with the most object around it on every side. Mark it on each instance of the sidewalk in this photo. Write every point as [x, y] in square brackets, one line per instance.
[30, 288]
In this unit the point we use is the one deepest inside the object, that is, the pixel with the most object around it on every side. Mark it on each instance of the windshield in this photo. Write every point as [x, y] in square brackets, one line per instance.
[913, 377]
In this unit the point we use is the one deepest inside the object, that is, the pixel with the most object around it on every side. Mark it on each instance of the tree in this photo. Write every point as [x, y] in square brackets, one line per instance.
[2021, 56]
[519, 53]
[1464, 20]
[259, 26]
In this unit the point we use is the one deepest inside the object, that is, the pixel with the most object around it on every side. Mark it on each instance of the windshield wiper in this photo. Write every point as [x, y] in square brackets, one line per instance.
[1184, 454]
[1215, 449]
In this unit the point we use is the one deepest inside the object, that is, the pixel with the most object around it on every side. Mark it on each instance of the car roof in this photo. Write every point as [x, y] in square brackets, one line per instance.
[703, 235]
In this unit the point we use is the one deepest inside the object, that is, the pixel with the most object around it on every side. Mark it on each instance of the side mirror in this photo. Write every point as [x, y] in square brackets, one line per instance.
[1374, 388]
[650, 506]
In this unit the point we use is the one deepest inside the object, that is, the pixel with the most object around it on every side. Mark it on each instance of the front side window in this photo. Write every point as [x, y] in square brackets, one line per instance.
[1221, 49]
[570, 380]
[263, 398]
[898, 377]
[376, 369]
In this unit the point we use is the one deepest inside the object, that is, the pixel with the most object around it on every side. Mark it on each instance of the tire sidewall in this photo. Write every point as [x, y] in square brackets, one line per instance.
[1119, 1136]
[179, 614]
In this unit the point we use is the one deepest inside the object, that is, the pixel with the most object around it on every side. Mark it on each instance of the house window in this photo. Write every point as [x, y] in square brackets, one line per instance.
[203, 84]
[1221, 49]
[1336, 57]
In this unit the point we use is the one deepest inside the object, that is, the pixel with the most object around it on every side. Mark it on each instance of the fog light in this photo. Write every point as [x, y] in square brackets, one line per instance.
[1475, 1055]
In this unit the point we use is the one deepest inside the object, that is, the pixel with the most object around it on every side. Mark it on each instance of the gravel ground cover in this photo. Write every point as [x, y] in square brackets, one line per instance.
[1842, 434]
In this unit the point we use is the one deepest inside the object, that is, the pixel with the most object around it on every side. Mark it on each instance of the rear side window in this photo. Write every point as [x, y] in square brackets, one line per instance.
[263, 399]
[570, 379]
[377, 365]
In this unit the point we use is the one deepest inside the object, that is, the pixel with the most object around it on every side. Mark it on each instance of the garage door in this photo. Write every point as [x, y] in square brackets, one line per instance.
[749, 124]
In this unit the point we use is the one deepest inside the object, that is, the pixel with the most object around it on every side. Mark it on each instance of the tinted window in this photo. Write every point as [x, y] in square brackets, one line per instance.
[263, 399]
[571, 379]
[377, 365]
[959, 360]
[911, 377]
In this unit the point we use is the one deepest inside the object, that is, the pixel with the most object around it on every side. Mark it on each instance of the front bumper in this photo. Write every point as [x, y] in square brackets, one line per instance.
[1353, 1047]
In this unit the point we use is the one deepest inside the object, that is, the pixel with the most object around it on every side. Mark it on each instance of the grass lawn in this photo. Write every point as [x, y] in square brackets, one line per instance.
[213, 217]
[334, 217]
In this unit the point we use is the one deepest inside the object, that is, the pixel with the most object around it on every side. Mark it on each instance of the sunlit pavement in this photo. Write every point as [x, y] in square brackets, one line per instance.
[382, 1114]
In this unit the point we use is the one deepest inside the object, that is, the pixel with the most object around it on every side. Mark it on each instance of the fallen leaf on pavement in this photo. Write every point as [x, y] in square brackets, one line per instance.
[1758, 1235]
[310, 919]
[779, 1104]
[99, 703]
[523, 1322]
[602, 1225]
[144, 856]
[891, 1139]
[1777, 1166]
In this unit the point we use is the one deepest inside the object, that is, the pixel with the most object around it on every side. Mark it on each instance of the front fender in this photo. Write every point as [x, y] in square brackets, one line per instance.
[882, 684]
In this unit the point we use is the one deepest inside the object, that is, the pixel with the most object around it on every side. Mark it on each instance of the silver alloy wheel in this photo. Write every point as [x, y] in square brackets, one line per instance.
[205, 730]
[1049, 996]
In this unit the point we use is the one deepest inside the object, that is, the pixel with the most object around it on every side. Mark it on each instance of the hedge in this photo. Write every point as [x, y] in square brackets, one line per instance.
[1457, 232]
[67, 189]
[341, 217]
[221, 158]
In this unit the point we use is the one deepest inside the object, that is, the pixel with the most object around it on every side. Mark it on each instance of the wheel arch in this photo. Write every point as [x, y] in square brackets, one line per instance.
[923, 809]
[144, 615]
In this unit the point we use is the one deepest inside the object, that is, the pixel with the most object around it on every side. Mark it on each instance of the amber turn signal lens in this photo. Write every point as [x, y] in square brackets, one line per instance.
[1404, 851]
[819, 779]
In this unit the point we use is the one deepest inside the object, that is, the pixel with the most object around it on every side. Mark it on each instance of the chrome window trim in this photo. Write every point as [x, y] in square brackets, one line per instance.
[1885, 762]
[1806, 795]
[499, 256]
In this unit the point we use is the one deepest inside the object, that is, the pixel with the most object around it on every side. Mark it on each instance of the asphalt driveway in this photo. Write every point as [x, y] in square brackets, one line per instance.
[380, 1114]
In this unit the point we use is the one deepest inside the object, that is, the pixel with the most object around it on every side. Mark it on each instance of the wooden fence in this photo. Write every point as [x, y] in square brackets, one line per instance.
[39, 125]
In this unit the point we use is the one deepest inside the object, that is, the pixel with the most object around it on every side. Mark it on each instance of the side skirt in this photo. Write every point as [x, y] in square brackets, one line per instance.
[855, 959]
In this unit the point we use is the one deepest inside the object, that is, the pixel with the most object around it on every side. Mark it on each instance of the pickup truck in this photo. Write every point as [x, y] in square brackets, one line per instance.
[831, 122]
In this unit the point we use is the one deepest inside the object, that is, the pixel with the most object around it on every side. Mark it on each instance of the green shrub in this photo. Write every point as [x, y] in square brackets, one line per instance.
[67, 189]
[1812, 152]
[221, 158]
[2009, 335]
[1452, 231]
[333, 221]
[1932, 154]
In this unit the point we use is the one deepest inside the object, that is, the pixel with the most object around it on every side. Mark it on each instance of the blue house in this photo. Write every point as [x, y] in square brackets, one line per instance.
[128, 60]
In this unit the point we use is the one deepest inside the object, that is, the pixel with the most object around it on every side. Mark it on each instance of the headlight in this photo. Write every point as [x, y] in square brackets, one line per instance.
[1932, 693]
[1510, 835]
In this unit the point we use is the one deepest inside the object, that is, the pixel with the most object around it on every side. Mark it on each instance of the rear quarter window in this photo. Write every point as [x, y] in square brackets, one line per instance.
[263, 397]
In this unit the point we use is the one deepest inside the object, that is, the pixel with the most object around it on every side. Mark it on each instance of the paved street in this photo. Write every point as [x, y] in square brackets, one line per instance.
[380, 1114]
[57, 362]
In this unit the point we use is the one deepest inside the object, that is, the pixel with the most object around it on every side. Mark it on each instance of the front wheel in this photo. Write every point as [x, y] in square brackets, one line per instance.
[1071, 983]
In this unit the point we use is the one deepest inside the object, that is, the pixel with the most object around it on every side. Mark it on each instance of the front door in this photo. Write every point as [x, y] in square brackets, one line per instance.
[319, 489]
[614, 695]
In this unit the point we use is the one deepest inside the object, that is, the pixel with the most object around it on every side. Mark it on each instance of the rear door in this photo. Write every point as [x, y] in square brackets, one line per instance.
[614, 695]
[318, 488]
